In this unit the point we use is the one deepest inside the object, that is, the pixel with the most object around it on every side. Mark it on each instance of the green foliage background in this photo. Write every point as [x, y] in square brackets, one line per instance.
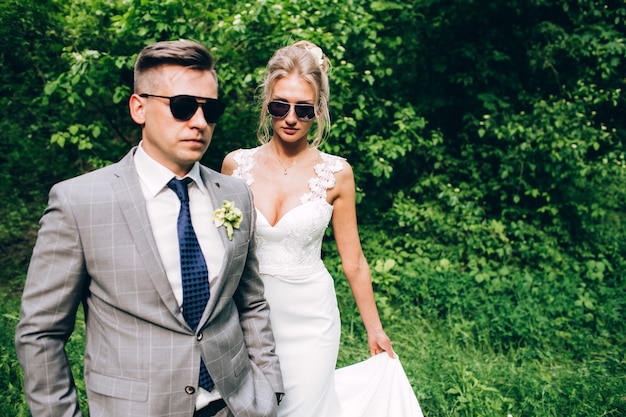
[487, 139]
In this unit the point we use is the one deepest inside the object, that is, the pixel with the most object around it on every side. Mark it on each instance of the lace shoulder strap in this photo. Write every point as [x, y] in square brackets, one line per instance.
[245, 161]
[324, 178]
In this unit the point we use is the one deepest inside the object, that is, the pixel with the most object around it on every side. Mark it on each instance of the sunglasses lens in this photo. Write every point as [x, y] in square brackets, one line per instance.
[183, 107]
[278, 109]
[213, 109]
[305, 112]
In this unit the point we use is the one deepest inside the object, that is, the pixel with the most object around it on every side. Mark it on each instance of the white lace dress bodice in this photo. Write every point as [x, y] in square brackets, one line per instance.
[293, 246]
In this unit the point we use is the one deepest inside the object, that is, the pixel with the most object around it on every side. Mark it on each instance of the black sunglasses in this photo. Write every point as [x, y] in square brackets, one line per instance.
[280, 109]
[184, 107]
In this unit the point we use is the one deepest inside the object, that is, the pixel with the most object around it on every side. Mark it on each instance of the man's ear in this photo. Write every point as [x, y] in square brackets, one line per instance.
[135, 104]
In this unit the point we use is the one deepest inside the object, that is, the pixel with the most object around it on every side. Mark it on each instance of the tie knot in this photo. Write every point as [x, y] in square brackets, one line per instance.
[180, 188]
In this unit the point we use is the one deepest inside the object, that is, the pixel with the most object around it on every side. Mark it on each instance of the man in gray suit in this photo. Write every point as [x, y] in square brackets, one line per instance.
[110, 239]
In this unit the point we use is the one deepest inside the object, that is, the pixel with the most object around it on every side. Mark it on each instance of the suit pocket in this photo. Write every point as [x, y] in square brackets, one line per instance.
[241, 362]
[123, 388]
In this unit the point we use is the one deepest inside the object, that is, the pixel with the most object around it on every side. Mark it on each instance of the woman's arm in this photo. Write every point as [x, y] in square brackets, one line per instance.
[353, 260]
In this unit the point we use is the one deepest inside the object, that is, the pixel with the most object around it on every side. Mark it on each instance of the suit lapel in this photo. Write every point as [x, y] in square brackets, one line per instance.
[128, 192]
[217, 194]
[212, 183]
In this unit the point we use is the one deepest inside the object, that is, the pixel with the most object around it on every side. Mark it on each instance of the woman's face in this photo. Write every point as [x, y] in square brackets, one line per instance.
[292, 89]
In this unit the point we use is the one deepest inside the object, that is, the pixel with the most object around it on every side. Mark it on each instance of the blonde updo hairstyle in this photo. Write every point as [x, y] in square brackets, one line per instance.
[309, 62]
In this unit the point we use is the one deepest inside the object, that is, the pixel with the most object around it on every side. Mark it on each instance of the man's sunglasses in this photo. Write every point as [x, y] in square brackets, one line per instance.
[280, 109]
[184, 107]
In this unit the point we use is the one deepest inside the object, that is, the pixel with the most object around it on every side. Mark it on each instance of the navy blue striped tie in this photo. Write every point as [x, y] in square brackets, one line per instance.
[195, 275]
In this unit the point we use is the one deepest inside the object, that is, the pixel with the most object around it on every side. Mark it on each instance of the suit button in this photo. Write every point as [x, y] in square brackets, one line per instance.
[190, 390]
[199, 336]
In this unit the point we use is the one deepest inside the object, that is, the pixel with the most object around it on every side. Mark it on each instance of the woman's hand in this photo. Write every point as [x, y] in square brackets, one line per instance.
[379, 342]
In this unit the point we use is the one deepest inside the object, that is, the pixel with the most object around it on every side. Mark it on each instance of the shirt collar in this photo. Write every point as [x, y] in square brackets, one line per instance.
[155, 176]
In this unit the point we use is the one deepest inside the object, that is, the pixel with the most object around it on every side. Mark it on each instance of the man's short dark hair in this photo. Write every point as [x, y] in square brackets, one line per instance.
[184, 53]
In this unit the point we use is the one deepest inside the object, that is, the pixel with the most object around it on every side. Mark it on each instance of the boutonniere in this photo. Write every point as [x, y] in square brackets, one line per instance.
[228, 216]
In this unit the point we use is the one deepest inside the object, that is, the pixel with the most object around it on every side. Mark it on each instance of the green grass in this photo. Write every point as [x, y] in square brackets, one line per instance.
[11, 388]
[462, 379]
[451, 374]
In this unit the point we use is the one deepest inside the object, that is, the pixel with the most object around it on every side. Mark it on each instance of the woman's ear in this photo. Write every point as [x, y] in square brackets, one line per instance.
[135, 104]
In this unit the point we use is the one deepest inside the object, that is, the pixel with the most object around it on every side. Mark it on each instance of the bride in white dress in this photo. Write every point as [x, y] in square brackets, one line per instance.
[298, 191]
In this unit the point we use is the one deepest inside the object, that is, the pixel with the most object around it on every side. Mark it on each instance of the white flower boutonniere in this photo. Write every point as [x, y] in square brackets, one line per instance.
[228, 216]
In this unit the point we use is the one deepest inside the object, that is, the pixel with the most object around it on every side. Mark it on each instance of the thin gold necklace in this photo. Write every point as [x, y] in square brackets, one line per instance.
[281, 163]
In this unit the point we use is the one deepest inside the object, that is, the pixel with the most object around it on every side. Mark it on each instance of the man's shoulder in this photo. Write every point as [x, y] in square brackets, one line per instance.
[220, 179]
[98, 176]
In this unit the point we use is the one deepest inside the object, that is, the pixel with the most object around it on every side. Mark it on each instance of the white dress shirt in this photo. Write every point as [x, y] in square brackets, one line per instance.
[163, 206]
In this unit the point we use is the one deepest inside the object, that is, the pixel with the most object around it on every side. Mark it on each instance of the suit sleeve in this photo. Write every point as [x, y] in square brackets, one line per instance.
[254, 313]
[54, 287]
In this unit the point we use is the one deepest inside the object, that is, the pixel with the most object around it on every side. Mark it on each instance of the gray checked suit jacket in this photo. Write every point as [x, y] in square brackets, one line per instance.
[96, 245]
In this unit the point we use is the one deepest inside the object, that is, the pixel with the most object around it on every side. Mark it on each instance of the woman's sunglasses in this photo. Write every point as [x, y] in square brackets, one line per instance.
[184, 107]
[280, 109]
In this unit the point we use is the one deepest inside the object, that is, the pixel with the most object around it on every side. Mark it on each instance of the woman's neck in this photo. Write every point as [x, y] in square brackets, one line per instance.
[288, 150]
